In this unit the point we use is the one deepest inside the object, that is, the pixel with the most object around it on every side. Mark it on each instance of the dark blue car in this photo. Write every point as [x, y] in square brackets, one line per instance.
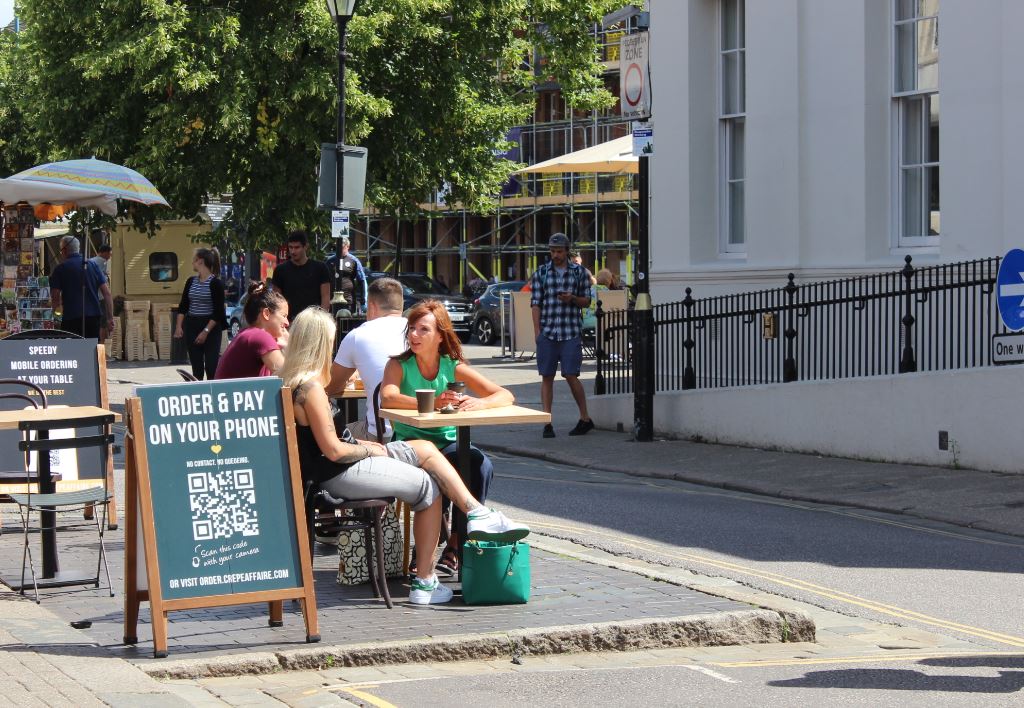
[419, 286]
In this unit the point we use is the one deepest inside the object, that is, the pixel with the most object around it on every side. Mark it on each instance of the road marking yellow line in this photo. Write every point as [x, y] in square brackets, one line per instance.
[862, 659]
[368, 697]
[798, 584]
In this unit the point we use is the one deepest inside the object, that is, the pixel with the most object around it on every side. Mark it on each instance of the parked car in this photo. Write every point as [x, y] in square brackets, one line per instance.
[487, 324]
[235, 313]
[419, 286]
[235, 317]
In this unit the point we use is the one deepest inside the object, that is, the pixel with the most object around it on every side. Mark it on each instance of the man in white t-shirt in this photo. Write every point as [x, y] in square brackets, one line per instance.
[368, 347]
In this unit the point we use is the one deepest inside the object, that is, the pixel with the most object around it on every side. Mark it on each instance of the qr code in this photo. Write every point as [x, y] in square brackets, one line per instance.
[223, 504]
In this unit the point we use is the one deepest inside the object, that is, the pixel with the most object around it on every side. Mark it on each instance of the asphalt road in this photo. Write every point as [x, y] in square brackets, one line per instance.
[940, 581]
[937, 578]
[963, 682]
[892, 569]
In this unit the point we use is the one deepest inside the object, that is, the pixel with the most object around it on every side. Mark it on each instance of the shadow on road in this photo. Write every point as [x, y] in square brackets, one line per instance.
[910, 680]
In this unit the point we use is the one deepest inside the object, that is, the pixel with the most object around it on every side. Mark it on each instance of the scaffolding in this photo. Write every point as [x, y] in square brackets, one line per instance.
[598, 212]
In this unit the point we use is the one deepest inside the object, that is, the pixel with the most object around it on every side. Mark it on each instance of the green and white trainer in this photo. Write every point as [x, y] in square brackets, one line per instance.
[429, 592]
[485, 524]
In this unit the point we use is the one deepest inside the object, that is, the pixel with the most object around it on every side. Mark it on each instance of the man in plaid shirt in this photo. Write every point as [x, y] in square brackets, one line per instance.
[559, 290]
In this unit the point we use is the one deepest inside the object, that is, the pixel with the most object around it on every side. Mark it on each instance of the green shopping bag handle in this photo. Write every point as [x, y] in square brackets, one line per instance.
[511, 556]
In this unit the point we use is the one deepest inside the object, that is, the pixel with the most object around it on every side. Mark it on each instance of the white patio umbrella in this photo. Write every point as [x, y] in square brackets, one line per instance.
[614, 156]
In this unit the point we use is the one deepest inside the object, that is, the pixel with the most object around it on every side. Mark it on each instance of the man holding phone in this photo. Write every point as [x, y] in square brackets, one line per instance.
[559, 291]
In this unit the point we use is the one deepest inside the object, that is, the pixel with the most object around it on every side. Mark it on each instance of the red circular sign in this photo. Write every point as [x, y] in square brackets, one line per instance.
[634, 84]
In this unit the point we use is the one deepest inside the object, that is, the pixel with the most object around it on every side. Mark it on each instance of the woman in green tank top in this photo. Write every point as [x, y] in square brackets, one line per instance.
[433, 360]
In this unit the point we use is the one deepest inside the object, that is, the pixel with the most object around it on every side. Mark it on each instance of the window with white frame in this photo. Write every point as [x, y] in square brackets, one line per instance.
[916, 121]
[732, 114]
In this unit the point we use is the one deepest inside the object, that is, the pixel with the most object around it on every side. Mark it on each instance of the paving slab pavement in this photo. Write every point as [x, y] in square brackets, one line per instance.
[576, 606]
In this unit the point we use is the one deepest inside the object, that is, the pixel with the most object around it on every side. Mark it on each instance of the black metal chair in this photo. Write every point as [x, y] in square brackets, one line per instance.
[47, 506]
[402, 510]
[329, 516]
[186, 375]
[8, 476]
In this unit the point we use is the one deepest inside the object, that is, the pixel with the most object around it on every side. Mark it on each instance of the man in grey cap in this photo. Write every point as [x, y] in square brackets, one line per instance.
[559, 290]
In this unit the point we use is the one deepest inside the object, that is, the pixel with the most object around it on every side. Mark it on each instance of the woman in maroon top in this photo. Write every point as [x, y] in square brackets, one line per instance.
[256, 350]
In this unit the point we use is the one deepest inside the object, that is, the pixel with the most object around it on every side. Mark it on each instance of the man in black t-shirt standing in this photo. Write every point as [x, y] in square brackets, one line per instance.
[303, 281]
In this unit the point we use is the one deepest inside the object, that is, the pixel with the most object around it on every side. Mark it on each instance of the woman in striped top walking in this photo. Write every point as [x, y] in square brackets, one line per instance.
[201, 315]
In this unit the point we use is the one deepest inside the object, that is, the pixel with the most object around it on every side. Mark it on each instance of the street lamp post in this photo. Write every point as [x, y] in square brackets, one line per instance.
[342, 11]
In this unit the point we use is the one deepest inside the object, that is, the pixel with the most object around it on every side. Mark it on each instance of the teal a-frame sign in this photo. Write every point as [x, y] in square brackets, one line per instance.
[213, 482]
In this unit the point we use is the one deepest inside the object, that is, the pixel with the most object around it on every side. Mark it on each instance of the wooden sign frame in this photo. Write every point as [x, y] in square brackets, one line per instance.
[139, 512]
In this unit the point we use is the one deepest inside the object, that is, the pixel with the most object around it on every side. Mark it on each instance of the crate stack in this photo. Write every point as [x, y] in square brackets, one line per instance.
[114, 342]
[161, 313]
[136, 331]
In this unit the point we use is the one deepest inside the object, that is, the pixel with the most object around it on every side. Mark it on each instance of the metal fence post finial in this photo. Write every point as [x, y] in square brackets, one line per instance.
[908, 362]
[689, 376]
[789, 365]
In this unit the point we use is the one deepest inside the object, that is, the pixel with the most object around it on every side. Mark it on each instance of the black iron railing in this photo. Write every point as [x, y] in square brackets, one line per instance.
[914, 319]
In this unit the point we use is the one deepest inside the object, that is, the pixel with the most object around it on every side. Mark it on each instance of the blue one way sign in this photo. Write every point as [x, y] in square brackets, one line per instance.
[1010, 290]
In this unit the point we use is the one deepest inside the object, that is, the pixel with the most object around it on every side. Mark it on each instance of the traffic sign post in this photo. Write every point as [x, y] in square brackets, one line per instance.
[340, 222]
[1010, 290]
[643, 138]
[1008, 348]
[634, 76]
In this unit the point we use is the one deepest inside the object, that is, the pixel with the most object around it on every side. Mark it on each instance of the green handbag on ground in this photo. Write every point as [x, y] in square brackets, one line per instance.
[495, 573]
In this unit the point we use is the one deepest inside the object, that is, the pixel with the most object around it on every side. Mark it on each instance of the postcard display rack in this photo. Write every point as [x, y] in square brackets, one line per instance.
[25, 295]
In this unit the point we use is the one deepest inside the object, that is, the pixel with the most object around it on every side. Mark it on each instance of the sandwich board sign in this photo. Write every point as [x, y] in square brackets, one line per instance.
[70, 372]
[213, 486]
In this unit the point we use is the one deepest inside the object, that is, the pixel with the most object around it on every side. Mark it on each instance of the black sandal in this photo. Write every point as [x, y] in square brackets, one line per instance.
[448, 563]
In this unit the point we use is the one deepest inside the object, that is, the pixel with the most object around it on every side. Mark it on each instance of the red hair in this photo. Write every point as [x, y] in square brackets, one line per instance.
[450, 344]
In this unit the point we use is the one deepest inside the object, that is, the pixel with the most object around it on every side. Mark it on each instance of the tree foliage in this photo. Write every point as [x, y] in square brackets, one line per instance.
[208, 96]
[16, 141]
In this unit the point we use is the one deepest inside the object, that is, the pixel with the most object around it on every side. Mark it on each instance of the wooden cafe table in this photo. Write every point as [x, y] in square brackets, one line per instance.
[463, 421]
[351, 397]
[9, 420]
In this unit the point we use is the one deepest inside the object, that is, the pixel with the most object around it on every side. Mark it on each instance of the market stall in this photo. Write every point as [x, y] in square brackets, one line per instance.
[25, 303]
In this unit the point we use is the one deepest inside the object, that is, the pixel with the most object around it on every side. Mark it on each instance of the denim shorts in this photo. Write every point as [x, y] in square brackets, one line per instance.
[550, 352]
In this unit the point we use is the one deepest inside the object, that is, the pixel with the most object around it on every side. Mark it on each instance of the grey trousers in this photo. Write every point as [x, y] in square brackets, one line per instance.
[395, 476]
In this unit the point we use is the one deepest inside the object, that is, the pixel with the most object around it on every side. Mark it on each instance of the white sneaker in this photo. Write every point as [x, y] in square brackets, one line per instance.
[429, 593]
[492, 525]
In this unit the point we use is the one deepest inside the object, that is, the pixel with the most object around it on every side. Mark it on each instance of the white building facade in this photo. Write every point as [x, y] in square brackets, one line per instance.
[832, 138]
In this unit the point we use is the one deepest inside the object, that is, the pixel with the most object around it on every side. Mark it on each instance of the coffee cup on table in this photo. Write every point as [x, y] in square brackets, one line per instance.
[425, 400]
[457, 387]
